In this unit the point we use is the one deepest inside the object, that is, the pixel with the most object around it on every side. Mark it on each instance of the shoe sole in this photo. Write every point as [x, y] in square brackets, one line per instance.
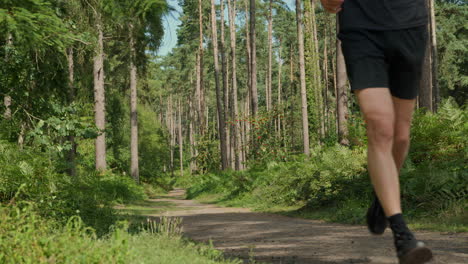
[418, 255]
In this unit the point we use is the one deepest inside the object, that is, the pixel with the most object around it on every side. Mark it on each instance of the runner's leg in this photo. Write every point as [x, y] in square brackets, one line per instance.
[404, 109]
[378, 109]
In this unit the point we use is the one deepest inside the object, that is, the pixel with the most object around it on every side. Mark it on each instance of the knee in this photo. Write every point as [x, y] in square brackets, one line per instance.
[401, 138]
[380, 131]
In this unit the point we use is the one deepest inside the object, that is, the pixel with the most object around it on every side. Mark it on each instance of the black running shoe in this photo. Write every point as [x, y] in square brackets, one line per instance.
[409, 250]
[376, 220]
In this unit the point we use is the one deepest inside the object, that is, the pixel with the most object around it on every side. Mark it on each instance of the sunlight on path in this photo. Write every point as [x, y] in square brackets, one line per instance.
[284, 240]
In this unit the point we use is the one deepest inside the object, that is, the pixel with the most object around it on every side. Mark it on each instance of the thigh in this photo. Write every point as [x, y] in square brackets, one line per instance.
[377, 106]
[404, 110]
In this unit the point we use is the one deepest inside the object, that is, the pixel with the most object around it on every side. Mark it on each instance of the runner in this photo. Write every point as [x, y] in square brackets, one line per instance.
[383, 43]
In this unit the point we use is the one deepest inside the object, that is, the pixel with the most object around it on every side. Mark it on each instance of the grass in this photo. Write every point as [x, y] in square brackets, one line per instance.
[146, 208]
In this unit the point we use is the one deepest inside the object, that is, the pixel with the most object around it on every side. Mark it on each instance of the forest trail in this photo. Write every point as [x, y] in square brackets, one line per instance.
[279, 239]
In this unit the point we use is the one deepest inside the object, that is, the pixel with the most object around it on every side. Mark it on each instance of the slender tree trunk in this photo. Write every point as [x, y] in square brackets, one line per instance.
[200, 87]
[342, 96]
[71, 97]
[270, 55]
[300, 37]
[279, 103]
[248, 112]
[7, 97]
[320, 97]
[181, 142]
[224, 70]
[325, 79]
[219, 100]
[435, 84]
[253, 59]
[134, 168]
[235, 107]
[291, 89]
[192, 138]
[99, 100]
[335, 87]
[172, 133]
[425, 90]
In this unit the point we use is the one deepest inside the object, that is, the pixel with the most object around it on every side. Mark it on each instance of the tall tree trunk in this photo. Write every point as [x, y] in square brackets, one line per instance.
[171, 132]
[270, 55]
[224, 70]
[71, 99]
[300, 37]
[7, 97]
[292, 93]
[134, 168]
[342, 96]
[425, 90]
[279, 103]
[248, 97]
[253, 59]
[325, 79]
[181, 142]
[99, 100]
[235, 107]
[219, 99]
[435, 62]
[192, 138]
[200, 87]
[318, 79]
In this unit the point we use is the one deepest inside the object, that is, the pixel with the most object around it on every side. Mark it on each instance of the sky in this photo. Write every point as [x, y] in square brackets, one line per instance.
[171, 23]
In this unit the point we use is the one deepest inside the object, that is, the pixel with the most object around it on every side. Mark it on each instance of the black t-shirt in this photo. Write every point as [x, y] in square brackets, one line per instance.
[383, 14]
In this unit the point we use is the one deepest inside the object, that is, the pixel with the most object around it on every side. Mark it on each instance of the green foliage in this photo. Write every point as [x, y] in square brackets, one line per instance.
[29, 175]
[265, 144]
[440, 137]
[452, 41]
[153, 149]
[25, 237]
[324, 177]
[209, 156]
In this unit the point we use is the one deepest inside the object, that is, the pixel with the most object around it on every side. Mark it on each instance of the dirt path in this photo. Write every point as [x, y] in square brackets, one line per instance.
[285, 240]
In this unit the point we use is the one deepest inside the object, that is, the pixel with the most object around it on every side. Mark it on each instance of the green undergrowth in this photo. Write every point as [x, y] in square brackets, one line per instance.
[26, 237]
[333, 184]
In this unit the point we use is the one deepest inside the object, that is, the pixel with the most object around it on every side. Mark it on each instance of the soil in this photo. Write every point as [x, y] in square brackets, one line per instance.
[270, 238]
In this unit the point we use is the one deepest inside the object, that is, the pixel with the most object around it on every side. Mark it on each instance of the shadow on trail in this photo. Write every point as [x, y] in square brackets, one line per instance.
[270, 238]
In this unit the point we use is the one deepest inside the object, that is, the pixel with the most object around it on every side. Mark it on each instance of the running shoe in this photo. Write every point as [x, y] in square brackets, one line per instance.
[409, 250]
[376, 220]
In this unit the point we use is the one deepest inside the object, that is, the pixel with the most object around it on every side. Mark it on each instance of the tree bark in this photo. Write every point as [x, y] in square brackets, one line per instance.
[342, 96]
[224, 70]
[134, 167]
[235, 107]
[253, 59]
[300, 37]
[219, 99]
[425, 89]
[200, 87]
[270, 55]
[435, 62]
[181, 142]
[7, 98]
[71, 97]
[279, 102]
[99, 97]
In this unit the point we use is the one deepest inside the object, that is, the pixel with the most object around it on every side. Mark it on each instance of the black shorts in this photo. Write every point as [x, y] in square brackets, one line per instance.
[392, 59]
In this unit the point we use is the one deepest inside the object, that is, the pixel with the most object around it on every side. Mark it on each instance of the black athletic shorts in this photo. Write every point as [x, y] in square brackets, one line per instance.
[392, 59]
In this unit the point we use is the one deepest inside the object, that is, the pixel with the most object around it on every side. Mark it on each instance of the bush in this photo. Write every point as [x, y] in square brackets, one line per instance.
[28, 175]
[325, 176]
